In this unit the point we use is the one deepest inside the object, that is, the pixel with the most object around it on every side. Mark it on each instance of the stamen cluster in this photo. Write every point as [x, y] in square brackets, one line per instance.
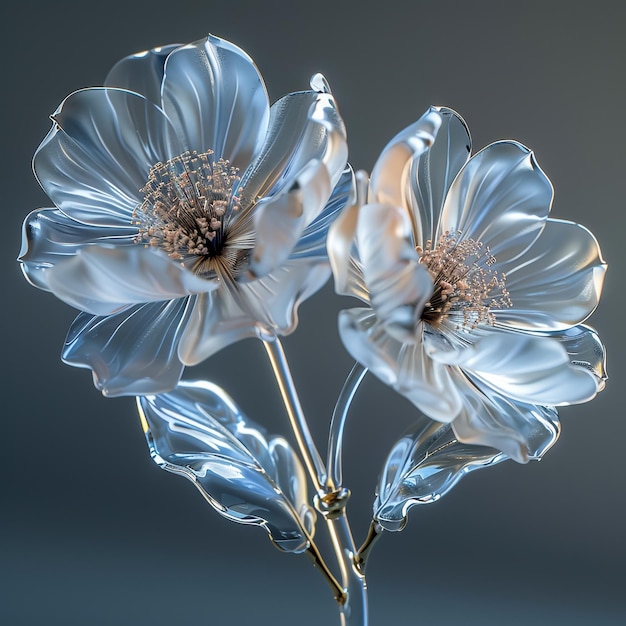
[465, 284]
[187, 201]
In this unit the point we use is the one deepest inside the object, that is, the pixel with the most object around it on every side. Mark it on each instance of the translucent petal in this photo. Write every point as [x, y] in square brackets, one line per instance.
[49, 236]
[343, 251]
[198, 432]
[522, 431]
[98, 154]
[103, 279]
[312, 243]
[423, 466]
[403, 366]
[399, 285]
[390, 176]
[255, 309]
[558, 282]
[142, 72]
[530, 369]
[433, 171]
[214, 95]
[501, 198]
[134, 352]
[298, 133]
[280, 220]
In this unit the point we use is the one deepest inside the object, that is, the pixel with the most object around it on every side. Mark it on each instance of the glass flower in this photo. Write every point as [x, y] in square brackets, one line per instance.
[475, 296]
[189, 213]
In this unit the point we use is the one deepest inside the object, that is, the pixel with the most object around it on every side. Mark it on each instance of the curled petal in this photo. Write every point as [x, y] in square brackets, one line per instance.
[103, 279]
[281, 219]
[132, 353]
[198, 432]
[403, 366]
[214, 94]
[298, 133]
[399, 285]
[142, 73]
[343, 252]
[501, 198]
[49, 236]
[259, 308]
[422, 467]
[433, 171]
[522, 431]
[389, 180]
[97, 156]
[558, 282]
[530, 369]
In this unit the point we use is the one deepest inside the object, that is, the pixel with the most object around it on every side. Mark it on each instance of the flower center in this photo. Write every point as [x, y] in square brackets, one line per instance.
[188, 212]
[466, 288]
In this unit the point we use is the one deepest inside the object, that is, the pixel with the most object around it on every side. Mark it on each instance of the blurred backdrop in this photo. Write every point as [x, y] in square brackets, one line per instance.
[94, 534]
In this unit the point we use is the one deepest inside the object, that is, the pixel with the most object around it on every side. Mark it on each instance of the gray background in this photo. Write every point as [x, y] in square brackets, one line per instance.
[94, 534]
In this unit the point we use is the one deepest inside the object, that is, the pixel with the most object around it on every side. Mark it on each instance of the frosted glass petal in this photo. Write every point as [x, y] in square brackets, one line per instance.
[198, 432]
[49, 236]
[558, 282]
[522, 431]
[423, 466]
[142, 72]
[254, 309]
[399, 285]
[97, 156]
[294, 138]
[132, 353]
[403, 366]
[527, 368]
[103, 279]
[500, 197]
[214, 95]
[390, 176]
[433, 171]
[280, 220]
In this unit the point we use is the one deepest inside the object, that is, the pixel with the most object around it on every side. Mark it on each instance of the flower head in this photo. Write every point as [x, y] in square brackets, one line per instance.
[188, 213]
[475, 297]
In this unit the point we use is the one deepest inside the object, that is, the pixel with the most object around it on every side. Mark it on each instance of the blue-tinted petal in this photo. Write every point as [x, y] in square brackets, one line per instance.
[214, 95]
[557, 283]
[142, 72]
[132, 353]
[500, 197]
[97, 156]
[49, 236]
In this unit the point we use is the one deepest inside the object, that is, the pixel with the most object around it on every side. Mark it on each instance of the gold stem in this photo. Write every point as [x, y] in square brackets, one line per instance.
[318, 562]
[373, 535]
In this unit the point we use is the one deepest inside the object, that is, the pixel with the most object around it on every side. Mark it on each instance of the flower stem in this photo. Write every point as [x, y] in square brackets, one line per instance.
[340, 413]
[374, 534]
[311, 456]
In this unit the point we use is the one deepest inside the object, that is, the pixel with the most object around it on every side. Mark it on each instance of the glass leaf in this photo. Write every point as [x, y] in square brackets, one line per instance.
[423, 466]
[198, 432]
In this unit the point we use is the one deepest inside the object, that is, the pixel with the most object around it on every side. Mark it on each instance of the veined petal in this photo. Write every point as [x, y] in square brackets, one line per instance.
[97, 156]
[214, 94]
[399, 285]
[280, 220]
[142, 73]
[501, 198]
[312, 243]
[433, 171]
[49, 236]
[403, 366]
[558, 282]
[103, 279]
[343, 252]
[390, 176]
[527, 368]
[133, 352]
[300, 126]
[259, 308]
[522, 431]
